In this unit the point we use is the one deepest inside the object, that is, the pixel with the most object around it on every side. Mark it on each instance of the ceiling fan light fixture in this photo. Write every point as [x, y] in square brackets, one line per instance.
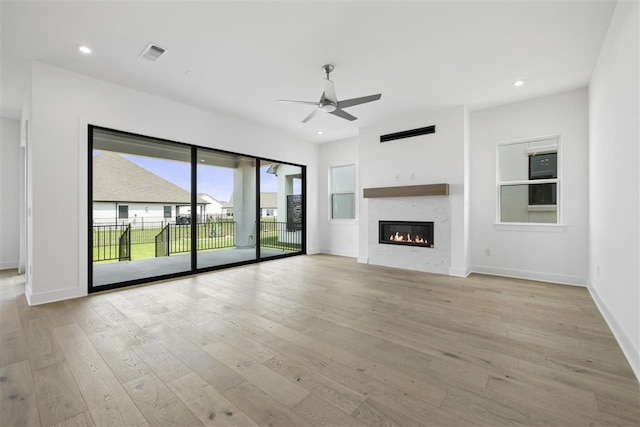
[328, 108]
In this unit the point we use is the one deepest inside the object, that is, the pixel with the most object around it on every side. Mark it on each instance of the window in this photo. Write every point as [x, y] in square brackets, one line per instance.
[123, 212]
[528, 181]
[343, 192]
[167, 211]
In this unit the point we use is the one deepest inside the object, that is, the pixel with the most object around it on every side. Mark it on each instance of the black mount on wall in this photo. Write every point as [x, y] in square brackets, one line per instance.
[408, 133]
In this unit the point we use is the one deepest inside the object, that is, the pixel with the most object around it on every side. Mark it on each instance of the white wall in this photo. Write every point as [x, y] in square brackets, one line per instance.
[427, 159]
[340, 236]
[549, 253]
[9, 193]
[614, 229]
[63, 103]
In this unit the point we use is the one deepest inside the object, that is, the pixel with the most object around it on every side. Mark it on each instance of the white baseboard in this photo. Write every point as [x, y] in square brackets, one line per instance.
[631, 353]
[460, 272]
[531, 275]
[313, 251]
[349, 254]
[8, 265]
[363, 260]
[47, 297]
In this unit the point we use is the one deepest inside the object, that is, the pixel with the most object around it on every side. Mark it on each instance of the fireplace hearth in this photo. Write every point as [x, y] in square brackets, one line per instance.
[406, 233]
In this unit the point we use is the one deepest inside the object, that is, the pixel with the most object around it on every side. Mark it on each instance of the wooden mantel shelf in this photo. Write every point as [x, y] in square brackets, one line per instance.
[407, 191]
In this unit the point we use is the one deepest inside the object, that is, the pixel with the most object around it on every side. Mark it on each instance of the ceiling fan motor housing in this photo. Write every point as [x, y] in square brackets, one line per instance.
[328, 107]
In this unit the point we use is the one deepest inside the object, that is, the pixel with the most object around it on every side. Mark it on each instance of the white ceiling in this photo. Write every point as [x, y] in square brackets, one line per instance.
[244, 55]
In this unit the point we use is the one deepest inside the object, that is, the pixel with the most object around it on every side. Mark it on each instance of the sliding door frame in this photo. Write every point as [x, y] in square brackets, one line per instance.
[194, 195]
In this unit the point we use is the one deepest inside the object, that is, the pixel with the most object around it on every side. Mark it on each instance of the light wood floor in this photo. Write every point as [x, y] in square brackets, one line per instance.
[314, 340]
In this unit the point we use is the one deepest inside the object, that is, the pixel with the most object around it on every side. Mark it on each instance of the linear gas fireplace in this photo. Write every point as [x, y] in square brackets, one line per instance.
[408, 233]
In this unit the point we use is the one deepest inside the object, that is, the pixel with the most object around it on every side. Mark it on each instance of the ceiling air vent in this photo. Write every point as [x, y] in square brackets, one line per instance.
[152, 52]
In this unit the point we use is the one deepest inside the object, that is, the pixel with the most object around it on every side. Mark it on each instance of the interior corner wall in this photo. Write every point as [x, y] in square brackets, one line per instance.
[63, 104]
[9, 193]
[426, 159]
[614, 206]
[552, 254]
[337, 237]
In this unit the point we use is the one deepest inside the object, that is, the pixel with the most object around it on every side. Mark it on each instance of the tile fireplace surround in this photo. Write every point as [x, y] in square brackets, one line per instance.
[434, 208]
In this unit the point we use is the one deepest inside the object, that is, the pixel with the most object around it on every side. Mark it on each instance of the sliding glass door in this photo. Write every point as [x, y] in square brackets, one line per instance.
[281, 212]
[161, 209]
[141, 208]
[226, 183]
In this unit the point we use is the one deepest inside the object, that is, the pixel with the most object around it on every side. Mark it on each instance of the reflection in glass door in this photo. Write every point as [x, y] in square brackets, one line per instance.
[281, 213]
[226, 228]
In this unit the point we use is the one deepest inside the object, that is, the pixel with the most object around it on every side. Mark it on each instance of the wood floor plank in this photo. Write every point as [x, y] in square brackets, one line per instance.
[161, 361]
[122, 360]
[420, 411]
[210, 406]
[9, 318]
[372, 413]
[15, 380]
[263, 409]
[286, 392]
[318, 412]
[58, 395]
[81, 420]
[210, 369]
[42, 349]
[106, 399]
[158, 404]
[12, 348]
[338, 395]
[19, 411]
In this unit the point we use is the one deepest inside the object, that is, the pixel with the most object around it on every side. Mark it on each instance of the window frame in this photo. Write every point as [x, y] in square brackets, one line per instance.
[331, 193]
[164, 208]
[120, 212]
[506, 183]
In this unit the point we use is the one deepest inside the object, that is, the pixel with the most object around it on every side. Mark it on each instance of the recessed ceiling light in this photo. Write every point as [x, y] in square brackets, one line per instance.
[518, 83]
[84, 49]
[319, 132]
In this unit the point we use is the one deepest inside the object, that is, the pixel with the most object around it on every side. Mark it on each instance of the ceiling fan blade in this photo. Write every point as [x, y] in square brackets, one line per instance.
[330, 91]
[343, 114]
[357, 101]
[298, 102]
[311, 116]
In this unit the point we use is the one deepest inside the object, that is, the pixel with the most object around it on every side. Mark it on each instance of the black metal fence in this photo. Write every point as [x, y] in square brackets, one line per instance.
[106, 241]
[216, 235]
[162, 242]
[281, 235]
[124, 245]
[176, 238]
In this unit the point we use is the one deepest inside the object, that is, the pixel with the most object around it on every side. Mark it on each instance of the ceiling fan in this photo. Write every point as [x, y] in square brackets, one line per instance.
[329, 102]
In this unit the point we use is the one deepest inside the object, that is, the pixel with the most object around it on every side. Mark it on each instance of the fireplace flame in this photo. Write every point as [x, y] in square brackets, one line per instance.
[406, 238]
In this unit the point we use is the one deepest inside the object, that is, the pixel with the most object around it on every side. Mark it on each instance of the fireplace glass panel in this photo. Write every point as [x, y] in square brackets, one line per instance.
[406, 233]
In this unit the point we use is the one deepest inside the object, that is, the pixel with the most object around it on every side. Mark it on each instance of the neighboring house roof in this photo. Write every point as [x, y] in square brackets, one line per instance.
[267, 201]
[211, 199]
[116, 179]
